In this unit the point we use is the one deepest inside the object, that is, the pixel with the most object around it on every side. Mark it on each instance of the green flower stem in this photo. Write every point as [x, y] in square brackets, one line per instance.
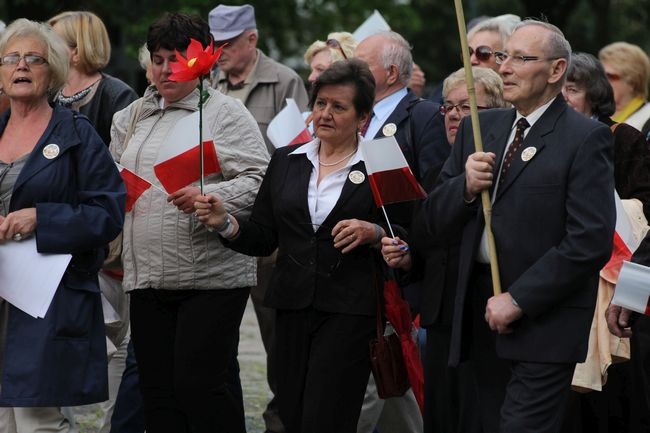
[200, 86]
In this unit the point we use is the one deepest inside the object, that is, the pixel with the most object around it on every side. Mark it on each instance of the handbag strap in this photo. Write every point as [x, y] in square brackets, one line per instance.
[379, 295]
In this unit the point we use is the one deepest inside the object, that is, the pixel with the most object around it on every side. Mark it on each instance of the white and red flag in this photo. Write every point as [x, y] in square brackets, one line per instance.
[390, 177]
[633, 288]
[135, 186]
[288, 127]
[178, 161]
[625, 243]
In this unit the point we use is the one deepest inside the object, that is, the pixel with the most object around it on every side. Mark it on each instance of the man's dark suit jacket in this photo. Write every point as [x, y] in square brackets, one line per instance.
[309, 271]
[420, 133]
[553, 221]
[434, 266]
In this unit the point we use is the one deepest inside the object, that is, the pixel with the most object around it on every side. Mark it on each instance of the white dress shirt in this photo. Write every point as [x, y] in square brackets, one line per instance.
[483, 255]
[381, 110]
[322, 197]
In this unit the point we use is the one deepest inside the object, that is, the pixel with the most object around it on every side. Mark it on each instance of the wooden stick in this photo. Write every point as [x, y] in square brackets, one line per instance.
[478, 145]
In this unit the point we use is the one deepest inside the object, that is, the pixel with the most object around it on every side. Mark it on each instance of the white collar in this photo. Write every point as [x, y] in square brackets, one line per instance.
[311, 151]
[535, 115]
[386, 106]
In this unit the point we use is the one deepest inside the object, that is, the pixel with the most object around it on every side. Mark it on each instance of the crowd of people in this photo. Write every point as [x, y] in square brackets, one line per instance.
[147, 314]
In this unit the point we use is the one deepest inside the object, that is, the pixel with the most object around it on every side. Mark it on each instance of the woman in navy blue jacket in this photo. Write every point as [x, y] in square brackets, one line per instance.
[58, 184]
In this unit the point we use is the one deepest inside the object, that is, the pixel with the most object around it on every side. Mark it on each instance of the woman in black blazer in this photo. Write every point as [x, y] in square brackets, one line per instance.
[316, 207]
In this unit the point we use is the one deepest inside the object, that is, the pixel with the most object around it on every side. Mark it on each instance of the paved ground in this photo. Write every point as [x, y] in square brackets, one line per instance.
[252, 360]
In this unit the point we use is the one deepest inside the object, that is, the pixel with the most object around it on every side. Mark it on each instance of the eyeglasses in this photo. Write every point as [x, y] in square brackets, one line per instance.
[30, 59]
[482, 52]
[333, 43]
[611, 76]
[464, 108]
[502, 57]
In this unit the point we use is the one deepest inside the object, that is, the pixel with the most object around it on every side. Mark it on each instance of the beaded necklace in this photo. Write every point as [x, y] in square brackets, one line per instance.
[68, 101]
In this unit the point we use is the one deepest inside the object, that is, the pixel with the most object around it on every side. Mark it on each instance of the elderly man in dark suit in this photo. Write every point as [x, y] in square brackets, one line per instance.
[550, 177]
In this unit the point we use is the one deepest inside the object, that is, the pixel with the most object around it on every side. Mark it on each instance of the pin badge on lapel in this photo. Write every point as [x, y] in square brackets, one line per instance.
[528, 154]
[356, 177]
[51, 151]
[389, 129]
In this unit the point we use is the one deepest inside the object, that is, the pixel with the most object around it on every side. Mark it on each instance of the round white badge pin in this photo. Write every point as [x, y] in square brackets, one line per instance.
[528, 154]
[51, 151]
[389, 129]
[356, 177]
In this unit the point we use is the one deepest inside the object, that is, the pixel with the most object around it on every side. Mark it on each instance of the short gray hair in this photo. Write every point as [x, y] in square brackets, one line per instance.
[557, 45]
[503, 25]
[397, 51]
[58, 57]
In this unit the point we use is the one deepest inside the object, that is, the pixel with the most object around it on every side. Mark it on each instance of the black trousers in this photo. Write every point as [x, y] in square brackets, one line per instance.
[184, 341]
[450, 393]
[514, 396]
[323, 364]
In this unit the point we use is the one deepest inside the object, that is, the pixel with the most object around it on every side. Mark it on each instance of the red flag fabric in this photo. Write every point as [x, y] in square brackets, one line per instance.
[398, 313]
[178, 161]
[135, 186]
[391, 179]
[183, 169]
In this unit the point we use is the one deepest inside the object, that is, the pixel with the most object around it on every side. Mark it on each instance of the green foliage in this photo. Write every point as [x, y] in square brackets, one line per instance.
[287, 27]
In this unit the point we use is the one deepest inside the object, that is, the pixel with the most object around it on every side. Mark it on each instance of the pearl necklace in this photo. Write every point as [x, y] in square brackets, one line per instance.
[332, 164]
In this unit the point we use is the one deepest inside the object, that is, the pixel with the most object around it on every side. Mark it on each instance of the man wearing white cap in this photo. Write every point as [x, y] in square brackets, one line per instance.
[263, 85]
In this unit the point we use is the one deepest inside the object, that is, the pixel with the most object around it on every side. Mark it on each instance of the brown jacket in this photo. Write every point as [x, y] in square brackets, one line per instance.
[272, 84]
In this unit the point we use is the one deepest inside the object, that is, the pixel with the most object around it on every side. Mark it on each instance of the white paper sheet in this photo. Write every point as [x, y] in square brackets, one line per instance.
[28, 279]
[374, 24]
[633, 287]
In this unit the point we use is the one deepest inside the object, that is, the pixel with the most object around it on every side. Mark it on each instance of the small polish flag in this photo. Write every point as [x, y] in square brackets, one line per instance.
[390, 177]
[178, 161]
[288, 127]
[625, 243]
[633, 288]
[135, 186]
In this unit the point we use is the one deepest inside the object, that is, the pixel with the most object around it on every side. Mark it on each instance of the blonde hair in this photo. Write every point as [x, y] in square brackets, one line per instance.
[486, 77]
[86, 32]
[57, 53]
[144, 57]
[346, 41]
[631, 62]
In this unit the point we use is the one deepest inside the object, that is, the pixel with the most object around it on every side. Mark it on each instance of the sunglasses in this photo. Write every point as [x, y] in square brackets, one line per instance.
[333, 43]
[482, 52]
[611, 76]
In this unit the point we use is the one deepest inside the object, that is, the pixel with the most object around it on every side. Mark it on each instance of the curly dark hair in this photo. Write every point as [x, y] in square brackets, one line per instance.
[173, 31]
[354, 72]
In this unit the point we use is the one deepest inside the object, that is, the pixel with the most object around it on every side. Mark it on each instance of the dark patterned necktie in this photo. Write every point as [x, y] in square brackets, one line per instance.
[522, 124]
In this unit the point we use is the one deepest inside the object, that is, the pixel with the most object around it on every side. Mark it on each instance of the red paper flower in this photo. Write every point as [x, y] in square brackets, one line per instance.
[198, 63]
